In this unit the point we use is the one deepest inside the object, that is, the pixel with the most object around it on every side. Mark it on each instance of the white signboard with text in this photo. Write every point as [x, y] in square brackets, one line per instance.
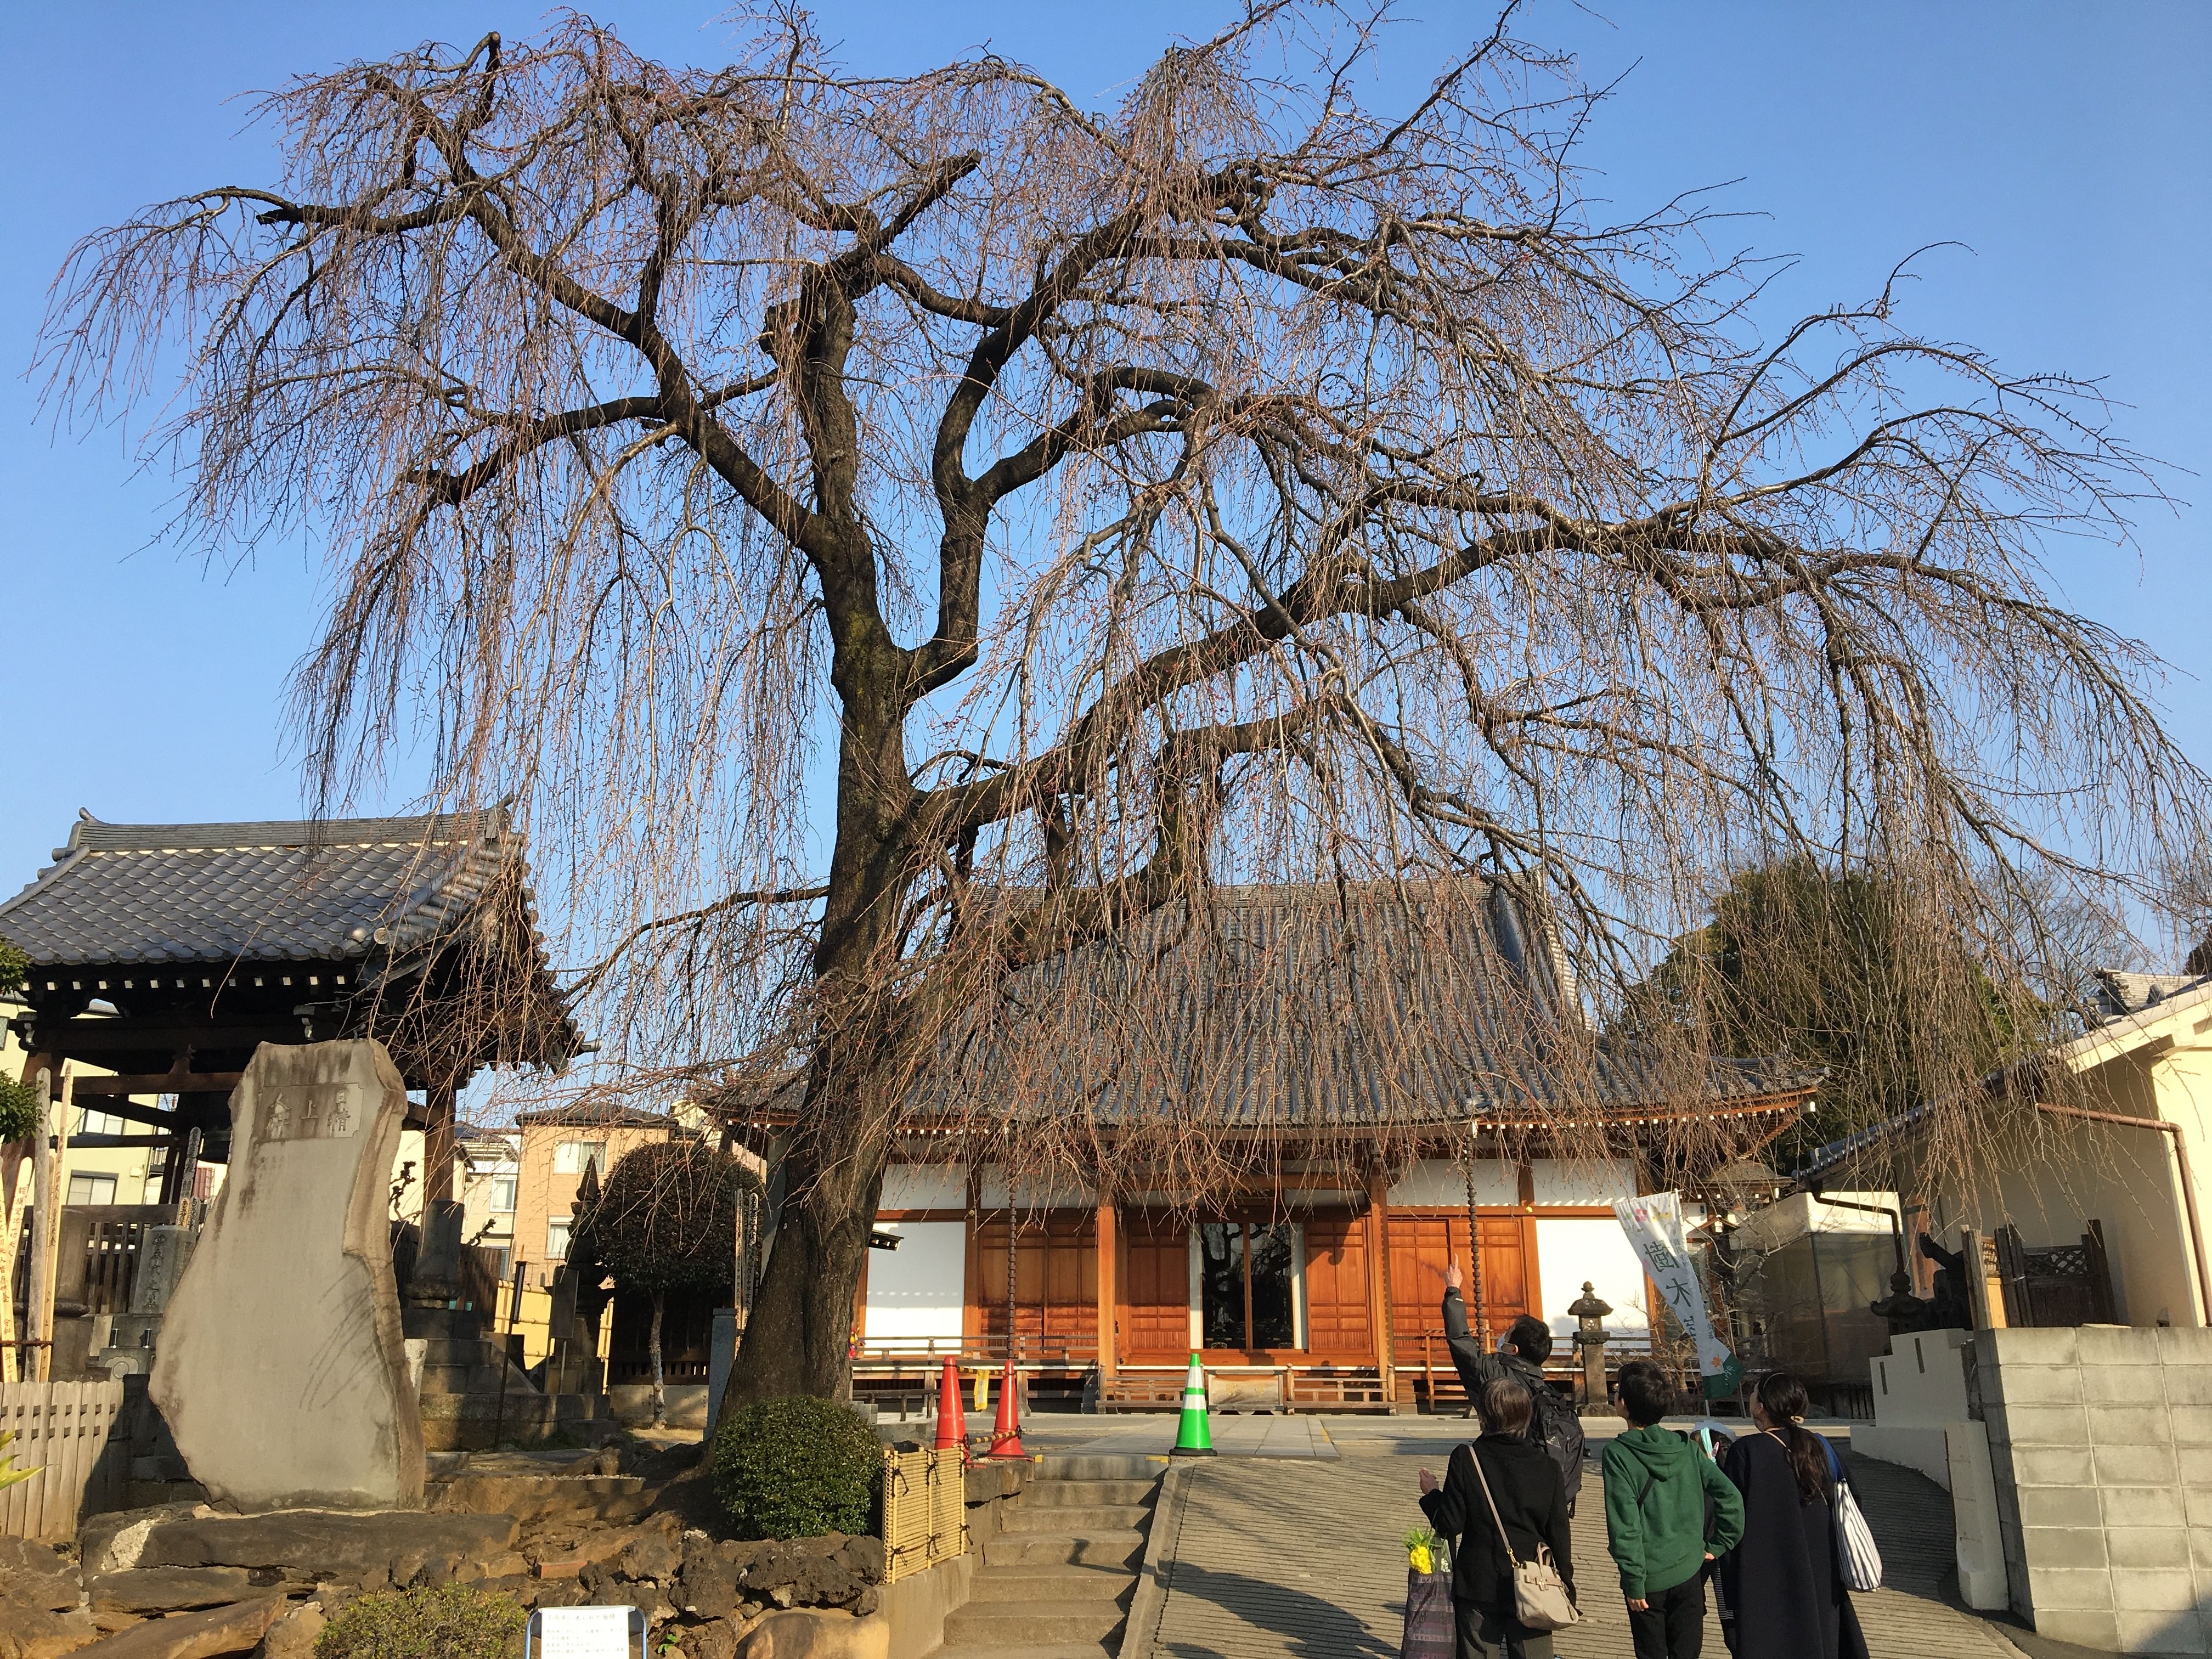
[584, 1633]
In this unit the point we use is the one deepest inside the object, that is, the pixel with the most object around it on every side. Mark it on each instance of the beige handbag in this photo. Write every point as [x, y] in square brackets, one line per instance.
[1540, 1595]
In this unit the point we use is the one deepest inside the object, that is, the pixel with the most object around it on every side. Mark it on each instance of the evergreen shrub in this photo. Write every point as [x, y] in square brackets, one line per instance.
[798, 1468]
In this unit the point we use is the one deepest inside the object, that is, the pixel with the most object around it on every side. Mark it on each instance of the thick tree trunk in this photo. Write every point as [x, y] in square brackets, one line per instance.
[797, 1338]
[799, 1334]
[653, 1347]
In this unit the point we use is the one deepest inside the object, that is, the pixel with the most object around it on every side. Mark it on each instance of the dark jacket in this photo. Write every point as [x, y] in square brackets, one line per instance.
[1784, 1582]
[1666, 1504]
[1477, 1369]
[1525, 1483]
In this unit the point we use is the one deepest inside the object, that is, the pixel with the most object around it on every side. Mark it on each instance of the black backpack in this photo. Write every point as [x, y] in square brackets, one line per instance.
[1560, 1431]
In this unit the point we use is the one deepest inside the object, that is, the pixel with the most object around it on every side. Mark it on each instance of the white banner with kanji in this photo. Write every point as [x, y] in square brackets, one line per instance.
[1654, 1225]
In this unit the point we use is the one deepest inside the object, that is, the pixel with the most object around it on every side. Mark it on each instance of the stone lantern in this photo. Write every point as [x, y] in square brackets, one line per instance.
[1590, 1339]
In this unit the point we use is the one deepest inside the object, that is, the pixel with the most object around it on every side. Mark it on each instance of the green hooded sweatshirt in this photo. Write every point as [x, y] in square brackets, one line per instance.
[1656, 1487]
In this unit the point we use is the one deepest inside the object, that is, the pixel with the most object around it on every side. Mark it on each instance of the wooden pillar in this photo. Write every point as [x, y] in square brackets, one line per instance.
[45, 1177]
[440, 1144]
[15, 1361]
[1108, 1236]
[1378, 1281]
[971, 1270]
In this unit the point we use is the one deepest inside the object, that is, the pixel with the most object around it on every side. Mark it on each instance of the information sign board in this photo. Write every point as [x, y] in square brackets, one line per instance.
[584, 1633]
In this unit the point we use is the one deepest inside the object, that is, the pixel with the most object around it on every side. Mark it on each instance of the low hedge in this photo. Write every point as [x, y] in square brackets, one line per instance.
[450, 1622]
[798, 1468]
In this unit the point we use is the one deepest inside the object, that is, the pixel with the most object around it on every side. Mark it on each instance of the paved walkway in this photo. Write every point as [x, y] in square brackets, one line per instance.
[1301, 1559]
[1142, 1432]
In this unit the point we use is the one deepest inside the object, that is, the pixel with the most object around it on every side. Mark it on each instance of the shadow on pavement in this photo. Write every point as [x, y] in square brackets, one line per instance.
[1312, 1627]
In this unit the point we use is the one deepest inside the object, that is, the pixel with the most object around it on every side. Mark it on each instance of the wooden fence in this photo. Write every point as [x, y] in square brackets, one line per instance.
[925, 1510]
[74, 1435]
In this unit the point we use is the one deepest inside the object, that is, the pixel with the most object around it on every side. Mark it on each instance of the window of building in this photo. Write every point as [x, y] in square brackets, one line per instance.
[89, 1122]
[91, 1189]
[1247, 1288]
[502, 1193]
[556, 1239]
[570, 1157]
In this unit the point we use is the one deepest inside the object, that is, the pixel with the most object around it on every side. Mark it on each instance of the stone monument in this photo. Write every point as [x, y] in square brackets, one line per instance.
[281, 1367]
[1589, 1310]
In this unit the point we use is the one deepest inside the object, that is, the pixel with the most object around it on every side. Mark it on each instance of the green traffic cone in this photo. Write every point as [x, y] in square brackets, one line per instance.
[1192, 1439]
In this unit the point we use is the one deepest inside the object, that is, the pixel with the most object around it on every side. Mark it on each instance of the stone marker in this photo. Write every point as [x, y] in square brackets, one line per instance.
[280, 1367]
[162, 1254]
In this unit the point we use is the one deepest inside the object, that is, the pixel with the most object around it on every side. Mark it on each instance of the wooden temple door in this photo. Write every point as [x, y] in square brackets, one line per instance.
[1421, 1242]
[1055, 1304]
[1339, 1331]
[1153, 1285]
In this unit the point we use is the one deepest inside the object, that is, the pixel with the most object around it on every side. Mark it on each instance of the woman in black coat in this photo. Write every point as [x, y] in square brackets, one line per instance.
[1525, 1483]
[1783, 1585]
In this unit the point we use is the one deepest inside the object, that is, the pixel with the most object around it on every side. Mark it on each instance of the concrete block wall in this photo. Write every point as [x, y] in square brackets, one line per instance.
[1978, 1529]
[2100, 1441]
[1919, 1391]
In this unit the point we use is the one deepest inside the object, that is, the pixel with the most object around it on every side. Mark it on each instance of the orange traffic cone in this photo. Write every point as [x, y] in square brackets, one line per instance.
[1007, 1436]
[952, 1426]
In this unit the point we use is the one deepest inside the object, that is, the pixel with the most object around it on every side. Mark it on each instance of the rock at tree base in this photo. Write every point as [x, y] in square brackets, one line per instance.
[293, 1635]
[195, 1635]
[811, 1633]
[29, 1633]
[281, 1369]
[172, 1589]
[33, 1576]
[308, 1545]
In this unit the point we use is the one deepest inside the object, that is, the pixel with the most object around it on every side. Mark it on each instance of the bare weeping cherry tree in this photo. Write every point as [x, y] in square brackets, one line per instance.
[888, 533]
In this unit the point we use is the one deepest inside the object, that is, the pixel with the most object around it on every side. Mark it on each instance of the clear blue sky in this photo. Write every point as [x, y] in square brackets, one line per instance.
[2069, 146]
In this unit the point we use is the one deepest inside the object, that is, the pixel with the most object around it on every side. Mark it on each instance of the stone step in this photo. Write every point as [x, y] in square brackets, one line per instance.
[469, 1422]
[1007, 1625]
[1053, 1582]
[454, 1351]
[1078, 1519]
[1040, 1650]
[1102, 1466]
[487, 1407]
[1088, 1494]
[1037, 1549]
[466, 1379]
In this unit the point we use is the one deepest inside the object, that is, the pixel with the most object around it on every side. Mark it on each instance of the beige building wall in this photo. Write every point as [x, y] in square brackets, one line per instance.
[2053, 1174]
[552, 1160]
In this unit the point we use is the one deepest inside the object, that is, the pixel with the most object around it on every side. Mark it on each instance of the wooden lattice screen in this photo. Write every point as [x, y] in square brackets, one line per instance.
[71, 1433]
[925, 1510]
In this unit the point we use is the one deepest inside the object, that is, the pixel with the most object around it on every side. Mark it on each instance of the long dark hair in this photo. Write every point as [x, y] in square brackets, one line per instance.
[1782, 1397]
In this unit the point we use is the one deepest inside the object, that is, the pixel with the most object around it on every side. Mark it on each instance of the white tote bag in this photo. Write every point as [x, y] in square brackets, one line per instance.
[1854, 1538]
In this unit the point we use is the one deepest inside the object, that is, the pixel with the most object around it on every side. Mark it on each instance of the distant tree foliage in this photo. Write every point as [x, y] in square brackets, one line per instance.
[19, 1097]
[1837, 971]
[665, 1219]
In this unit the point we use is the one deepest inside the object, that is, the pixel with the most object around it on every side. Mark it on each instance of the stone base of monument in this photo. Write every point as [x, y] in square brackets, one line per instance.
[476, 1422]
[472, 1396]
[541, 1485]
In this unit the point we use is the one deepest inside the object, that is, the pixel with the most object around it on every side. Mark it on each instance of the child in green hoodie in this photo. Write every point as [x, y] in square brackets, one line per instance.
[1657, 1523]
